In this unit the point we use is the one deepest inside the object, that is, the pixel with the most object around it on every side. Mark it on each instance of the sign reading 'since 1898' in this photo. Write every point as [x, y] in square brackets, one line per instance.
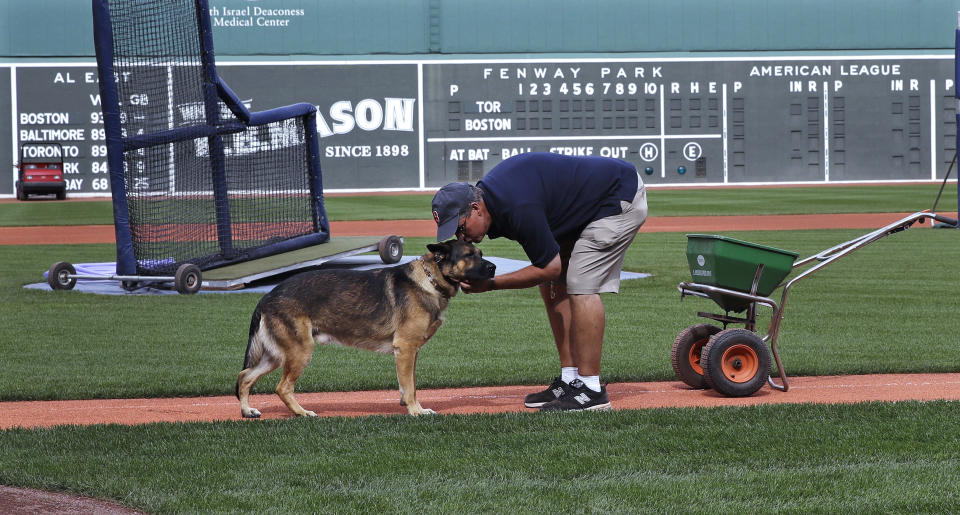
[416, 124]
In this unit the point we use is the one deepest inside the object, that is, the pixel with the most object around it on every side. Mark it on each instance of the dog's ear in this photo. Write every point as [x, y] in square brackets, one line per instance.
[440, 250]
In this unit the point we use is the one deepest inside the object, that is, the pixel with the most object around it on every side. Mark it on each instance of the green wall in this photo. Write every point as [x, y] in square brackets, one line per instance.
[696, 25]
[62, 28]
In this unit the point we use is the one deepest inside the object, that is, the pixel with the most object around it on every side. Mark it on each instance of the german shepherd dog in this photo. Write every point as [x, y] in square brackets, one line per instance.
[390, 310]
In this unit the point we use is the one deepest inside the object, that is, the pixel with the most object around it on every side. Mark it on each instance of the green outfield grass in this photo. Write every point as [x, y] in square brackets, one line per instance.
[663, 202]
[890, 307]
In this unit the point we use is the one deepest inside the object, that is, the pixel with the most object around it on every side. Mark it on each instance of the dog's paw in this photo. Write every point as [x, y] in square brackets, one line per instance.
[252, 413]
[308, 414]
[423, 411]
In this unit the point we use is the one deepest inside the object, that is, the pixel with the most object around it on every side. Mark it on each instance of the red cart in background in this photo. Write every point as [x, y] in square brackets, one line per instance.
[41, 170]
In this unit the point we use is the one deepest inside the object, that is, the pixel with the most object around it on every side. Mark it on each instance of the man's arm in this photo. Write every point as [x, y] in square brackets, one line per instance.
[526, 277]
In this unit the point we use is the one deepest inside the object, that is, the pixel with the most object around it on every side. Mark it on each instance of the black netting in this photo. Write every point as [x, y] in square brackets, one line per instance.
[269, 191]
[172, 215]
[157, 57]
[178, 212]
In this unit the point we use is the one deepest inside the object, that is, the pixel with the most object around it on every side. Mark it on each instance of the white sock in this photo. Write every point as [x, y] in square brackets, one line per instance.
[592, 382]
[568, 374]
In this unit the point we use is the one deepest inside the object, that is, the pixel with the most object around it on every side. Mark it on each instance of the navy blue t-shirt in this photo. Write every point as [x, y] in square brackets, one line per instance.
[540, 198]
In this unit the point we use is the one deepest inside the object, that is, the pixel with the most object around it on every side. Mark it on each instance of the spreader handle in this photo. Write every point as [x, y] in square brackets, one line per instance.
[945, 219]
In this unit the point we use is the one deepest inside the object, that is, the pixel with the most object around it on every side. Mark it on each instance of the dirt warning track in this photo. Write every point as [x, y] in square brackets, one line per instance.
[486, 399]
[49, 235]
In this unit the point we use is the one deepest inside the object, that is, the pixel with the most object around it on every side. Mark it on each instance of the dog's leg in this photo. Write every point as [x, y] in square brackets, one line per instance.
[265, 362]
[248, 377]
[295, 362]
[405, 354]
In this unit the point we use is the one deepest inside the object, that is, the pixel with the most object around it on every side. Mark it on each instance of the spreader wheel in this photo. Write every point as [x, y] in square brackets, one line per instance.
[735, 362]
[188, 279]
[391, 249]
[685, 355]
[58, 277]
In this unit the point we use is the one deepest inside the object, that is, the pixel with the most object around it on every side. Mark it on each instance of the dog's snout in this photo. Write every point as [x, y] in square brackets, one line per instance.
[489, 268]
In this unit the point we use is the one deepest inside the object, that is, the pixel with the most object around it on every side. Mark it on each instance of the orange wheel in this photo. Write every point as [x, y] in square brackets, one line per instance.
[739, 363]
[693, 356]
[685, 355]
[735, 362]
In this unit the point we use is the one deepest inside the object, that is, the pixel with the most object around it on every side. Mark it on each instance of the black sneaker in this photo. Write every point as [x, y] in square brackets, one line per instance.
[552, 393]
[580, 398]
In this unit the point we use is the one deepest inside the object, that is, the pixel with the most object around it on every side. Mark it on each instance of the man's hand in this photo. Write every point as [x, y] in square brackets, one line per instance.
[476, 286]
[526, 277]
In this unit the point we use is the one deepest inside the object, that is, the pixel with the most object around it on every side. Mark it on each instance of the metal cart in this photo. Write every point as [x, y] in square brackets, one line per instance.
[739, 276]
[189, 279]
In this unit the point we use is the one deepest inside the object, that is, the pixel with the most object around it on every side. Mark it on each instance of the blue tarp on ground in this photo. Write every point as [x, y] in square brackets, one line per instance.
[365, 262]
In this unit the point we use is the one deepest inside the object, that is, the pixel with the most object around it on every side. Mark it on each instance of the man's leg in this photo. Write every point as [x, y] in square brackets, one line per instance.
[557, 302]
[586, 345]
[558, 313]
[594, 268]
[595, 264]
[589, 319]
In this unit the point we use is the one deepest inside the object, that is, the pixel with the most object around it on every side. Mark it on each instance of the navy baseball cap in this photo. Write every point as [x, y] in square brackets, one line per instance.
[448, 203]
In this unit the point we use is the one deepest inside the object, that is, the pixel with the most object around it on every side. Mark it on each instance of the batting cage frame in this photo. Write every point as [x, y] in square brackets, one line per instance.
[196, 177]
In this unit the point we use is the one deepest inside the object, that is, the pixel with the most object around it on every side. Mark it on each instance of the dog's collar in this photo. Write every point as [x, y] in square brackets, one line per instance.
[433, 280]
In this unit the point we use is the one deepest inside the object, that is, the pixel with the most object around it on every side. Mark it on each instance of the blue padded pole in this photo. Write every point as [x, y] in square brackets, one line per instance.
[233, 101]
[110, 105]
[321, 223]
[215, 143]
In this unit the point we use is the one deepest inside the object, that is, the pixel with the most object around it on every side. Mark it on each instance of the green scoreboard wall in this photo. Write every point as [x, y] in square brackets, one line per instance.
[415, 94]
[420, 124]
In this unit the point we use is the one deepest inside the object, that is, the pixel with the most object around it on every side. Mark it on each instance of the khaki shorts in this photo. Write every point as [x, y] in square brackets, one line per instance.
[592, 263]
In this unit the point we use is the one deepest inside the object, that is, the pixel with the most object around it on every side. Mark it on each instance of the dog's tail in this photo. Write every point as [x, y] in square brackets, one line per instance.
[254, 345]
